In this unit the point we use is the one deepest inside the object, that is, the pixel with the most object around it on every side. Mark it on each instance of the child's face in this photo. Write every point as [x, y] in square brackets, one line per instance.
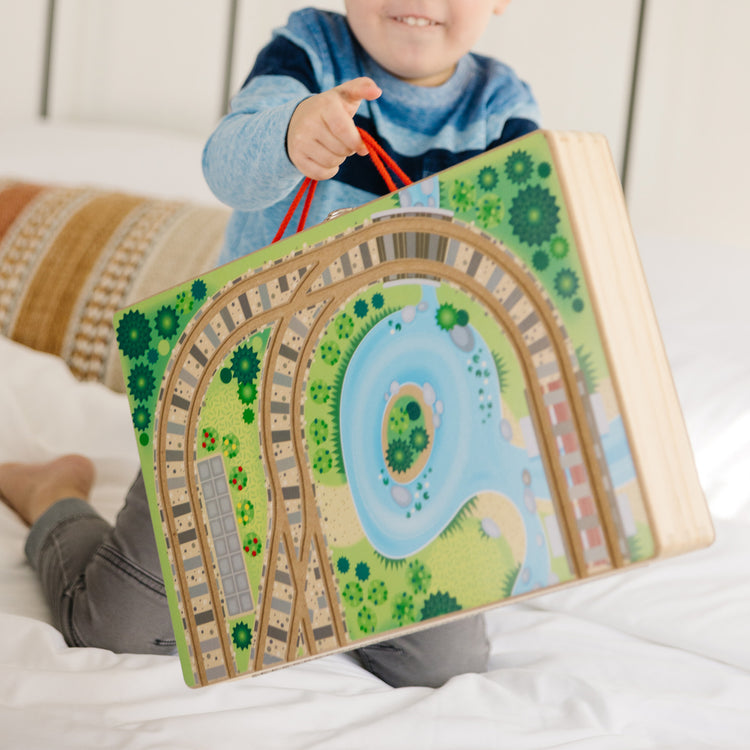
[420, 41]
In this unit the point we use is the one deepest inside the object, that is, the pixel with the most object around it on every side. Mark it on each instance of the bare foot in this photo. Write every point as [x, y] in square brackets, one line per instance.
[30, 489]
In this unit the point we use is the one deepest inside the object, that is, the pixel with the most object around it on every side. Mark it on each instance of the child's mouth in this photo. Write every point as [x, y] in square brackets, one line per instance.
[418, 21]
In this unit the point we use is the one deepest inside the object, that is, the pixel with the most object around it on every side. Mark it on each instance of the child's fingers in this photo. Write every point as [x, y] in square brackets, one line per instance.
[357, 89]
[315, 171]
[340, 135]
[321, 132]
[327, 152]
[351, 94]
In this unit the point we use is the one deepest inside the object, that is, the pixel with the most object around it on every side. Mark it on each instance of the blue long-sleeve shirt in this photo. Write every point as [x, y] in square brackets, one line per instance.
[424, 129]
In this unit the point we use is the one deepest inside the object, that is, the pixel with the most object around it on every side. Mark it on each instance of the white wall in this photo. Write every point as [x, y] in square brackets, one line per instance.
[21, 58]
[578, 57]
[139, 62]
[691, 152]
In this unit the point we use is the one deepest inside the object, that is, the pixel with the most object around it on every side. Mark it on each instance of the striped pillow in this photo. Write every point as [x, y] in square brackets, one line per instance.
[71, 256]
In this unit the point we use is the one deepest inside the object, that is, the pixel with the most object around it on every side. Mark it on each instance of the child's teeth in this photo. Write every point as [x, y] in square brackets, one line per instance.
[412, 21]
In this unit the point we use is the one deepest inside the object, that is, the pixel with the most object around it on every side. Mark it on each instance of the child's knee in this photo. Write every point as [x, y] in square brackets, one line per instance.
[430, 657]
[113, 609]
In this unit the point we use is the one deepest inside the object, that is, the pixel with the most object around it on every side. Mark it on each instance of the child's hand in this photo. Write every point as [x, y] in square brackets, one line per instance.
[322, 133]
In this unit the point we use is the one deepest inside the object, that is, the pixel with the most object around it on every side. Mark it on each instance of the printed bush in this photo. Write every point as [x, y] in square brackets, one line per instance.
[362, 571]
[210, 439]
[252, 544]
[367, 620]
[230, 445]
[318, 431]
[329, 352]
[238, 478]
[245, 512]
[320, 391]
[413, 411]
[353, 594]
[377, 593]
[398, 420]
[322, 461]
[403, 608]
[418, 577]
[438, 604]
[344, 326]
[360, 308]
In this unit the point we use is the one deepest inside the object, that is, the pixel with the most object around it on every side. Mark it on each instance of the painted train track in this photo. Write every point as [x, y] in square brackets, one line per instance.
[297, 607]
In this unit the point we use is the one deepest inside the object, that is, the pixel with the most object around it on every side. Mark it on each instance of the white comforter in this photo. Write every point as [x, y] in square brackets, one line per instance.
[653, 658]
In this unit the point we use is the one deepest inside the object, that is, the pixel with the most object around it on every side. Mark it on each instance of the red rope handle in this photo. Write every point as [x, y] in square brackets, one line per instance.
[308, 185]
[376, 150]
[380, 159]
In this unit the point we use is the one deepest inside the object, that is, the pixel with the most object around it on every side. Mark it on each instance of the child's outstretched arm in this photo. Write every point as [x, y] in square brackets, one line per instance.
[321, 131]
[276, 132]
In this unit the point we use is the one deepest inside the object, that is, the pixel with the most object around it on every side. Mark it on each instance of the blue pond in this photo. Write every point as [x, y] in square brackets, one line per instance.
[469, 453]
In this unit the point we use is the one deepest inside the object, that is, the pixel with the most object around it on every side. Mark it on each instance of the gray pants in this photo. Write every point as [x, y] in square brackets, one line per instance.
[104, 587]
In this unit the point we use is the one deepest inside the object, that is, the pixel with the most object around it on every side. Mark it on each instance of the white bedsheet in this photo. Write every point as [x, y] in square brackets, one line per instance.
[653, 658]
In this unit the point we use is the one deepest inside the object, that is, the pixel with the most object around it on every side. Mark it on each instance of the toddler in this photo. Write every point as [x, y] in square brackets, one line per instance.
[402, 71]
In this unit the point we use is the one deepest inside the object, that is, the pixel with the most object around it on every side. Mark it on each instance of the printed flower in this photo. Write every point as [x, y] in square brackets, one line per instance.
[534, 215]
[245, 364]
[558, 246]
[446, 316]
[141, 382]
[399, 455]
[166, 322]
[242, 636]
[487, 179]
[133, 334]
[518, 167]
[141, 418]
[566, 283]
[419, 439]
[247, 393]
